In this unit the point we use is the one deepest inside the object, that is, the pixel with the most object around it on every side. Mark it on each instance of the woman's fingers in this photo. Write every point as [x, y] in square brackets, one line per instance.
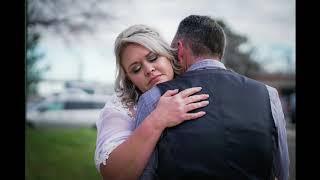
[196, 98]
[173, 106]
[190, 91]
[196, 115]
[169, 93]
[196, 105]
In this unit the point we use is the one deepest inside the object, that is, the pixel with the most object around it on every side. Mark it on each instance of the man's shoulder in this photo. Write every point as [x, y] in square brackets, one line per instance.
[146, 103]
[272, 91]
[150, 94]
[269, 88]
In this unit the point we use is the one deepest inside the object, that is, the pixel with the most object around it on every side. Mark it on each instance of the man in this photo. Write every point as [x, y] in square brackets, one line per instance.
[242, 135]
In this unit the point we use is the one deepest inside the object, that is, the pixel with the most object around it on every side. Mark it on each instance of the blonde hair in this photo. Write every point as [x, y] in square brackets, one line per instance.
[148, 38]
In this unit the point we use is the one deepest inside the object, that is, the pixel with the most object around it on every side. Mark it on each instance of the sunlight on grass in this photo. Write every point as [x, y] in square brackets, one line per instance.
[60, 154]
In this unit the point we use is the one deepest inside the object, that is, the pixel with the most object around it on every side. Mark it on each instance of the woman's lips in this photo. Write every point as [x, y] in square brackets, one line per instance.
[154, 80]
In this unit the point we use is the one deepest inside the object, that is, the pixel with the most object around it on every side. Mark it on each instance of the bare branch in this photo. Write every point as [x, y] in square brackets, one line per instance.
[74, 16]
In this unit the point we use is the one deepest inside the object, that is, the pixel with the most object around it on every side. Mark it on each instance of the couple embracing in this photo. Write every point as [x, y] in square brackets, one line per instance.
[179, 113]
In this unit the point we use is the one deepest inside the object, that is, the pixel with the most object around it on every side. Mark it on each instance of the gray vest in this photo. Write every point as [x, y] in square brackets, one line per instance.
[236, 139]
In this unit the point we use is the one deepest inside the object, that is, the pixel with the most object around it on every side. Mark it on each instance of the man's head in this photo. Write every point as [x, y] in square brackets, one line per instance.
[198, 37]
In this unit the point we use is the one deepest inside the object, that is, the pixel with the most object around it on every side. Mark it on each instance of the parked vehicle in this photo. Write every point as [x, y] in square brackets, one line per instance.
[292, 106]
[66, 110]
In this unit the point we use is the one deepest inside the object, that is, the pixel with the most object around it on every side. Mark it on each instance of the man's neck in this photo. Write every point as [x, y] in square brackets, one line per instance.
[206, 63]
[197, 59]
[194, 60]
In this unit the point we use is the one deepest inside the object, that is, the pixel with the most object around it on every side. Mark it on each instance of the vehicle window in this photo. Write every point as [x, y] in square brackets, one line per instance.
[52, 106]
[83, 105]
[98, 105]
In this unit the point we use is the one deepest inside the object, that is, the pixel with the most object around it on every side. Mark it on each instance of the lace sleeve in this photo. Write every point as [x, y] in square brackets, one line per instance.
[114, 126]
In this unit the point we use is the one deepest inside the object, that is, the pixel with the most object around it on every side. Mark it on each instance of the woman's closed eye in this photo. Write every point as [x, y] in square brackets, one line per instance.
[152, 57]
[136, 68]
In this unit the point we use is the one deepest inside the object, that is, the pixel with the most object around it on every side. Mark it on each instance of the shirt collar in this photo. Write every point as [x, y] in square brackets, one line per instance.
[206, 63]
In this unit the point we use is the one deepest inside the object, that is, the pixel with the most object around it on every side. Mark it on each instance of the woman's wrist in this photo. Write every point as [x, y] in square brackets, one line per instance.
[155, 122]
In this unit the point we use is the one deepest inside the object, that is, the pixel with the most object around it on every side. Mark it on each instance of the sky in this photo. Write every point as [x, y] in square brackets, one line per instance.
[269, 26]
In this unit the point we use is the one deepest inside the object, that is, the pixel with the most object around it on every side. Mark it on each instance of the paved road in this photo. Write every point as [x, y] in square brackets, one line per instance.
[291, 136]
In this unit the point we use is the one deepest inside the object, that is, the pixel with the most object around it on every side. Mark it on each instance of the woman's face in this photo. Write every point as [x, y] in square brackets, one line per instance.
[144, 68]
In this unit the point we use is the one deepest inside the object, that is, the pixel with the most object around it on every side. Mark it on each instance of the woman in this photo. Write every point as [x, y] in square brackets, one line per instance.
[144, 60]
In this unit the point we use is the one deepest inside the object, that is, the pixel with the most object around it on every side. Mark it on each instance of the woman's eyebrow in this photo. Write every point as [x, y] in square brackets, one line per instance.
[146, 56]
[149, 54]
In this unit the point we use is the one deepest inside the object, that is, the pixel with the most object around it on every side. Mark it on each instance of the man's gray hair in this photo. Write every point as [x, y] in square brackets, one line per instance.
[203, 35]
[149, 38]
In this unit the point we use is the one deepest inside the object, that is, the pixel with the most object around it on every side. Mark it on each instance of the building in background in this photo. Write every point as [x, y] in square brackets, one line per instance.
[286, 86]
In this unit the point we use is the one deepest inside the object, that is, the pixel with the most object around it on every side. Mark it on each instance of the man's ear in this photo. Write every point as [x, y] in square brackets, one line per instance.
[180, 51]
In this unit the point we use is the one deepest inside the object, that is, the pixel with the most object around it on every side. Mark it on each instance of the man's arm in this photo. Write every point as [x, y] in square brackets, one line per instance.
[282, 155]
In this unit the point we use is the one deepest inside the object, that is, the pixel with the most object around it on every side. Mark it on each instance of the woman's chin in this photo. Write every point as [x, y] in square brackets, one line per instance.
[157, 82]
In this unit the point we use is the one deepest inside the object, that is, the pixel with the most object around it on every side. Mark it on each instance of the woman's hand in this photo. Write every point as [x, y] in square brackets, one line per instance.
[173, 107]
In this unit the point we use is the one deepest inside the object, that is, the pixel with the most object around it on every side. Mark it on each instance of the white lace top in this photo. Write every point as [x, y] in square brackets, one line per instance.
[114, 126]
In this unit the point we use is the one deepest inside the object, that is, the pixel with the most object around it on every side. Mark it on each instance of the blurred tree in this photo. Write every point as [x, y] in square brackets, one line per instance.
[236, 59]
[69, 18]
[66, 17]
[34, 72]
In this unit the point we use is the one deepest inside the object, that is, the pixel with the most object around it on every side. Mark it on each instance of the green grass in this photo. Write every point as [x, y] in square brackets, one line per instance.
[60, 154]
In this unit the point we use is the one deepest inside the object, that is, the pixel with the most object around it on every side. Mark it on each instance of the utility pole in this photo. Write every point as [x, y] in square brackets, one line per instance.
[80, 69]
[288, 62]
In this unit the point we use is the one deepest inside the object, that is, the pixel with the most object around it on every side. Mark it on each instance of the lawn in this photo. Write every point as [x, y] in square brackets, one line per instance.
[60, 154]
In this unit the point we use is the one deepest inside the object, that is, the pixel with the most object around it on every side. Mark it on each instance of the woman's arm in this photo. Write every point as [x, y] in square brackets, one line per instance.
[128, 160]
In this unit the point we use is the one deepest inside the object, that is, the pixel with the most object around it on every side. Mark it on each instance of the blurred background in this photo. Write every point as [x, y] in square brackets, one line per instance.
[70, 67]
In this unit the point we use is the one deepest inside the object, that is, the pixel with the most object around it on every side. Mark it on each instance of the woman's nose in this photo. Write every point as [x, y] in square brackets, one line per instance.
[149, 68]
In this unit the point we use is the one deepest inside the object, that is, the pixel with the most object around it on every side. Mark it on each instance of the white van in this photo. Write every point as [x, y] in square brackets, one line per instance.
[66, 111]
